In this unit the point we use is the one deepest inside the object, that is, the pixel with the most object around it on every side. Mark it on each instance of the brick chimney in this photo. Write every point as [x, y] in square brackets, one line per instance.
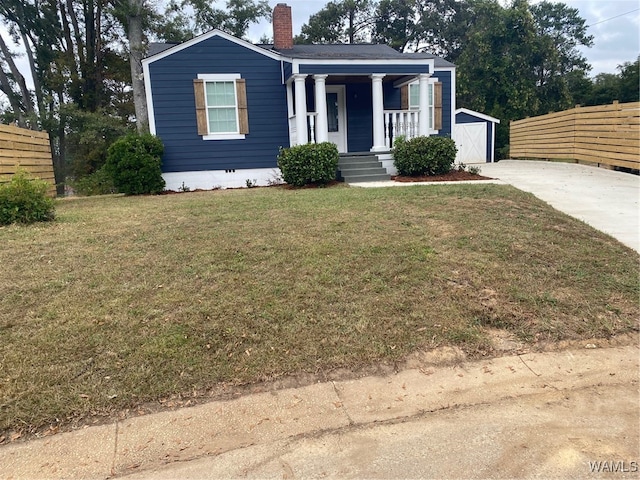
[282, 29]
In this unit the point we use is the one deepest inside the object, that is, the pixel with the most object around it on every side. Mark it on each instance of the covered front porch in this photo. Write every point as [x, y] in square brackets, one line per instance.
[362, 112]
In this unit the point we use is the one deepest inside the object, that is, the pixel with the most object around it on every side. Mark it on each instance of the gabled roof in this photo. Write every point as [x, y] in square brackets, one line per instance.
[156, 47]
[158, 51]
[339, 51]
[479, 115]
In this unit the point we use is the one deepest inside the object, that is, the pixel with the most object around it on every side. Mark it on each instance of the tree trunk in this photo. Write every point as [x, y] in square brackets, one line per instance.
[19, 79]
[5, 87]
[136, 52]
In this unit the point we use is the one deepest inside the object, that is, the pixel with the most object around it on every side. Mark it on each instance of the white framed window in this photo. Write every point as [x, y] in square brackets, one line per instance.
[414, 99]
[221, 106]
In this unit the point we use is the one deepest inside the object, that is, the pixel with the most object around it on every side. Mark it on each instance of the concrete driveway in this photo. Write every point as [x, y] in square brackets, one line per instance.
[607, 200]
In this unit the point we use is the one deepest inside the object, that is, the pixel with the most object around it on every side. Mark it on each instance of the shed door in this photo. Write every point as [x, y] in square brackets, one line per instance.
[471, 140]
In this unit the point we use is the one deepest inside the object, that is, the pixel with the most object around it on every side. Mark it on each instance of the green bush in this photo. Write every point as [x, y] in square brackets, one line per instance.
[25, 200]
[310, 163]
[99, 182]
[133, 162]
[424, 155]
[503, 153]
[88, 137]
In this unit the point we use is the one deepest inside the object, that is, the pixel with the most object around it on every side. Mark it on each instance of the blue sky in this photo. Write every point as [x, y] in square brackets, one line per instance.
[616, 40]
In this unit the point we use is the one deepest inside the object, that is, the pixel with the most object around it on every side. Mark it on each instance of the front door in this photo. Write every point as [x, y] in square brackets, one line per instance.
[337, 116]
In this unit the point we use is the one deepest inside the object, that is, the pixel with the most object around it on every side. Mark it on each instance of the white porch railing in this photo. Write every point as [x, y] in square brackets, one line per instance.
[396, 123]
[311, 128]
[400, 122]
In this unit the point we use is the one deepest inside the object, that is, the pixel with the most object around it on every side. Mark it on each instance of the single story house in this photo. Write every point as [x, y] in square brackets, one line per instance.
[223, 107]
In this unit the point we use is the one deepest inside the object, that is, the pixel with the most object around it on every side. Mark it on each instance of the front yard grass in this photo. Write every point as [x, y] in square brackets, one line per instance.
[127, 300]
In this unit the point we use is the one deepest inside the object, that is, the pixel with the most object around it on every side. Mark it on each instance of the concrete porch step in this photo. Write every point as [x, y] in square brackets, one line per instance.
[366, 178]
[352, 170]
[356, 160]
[361, 167]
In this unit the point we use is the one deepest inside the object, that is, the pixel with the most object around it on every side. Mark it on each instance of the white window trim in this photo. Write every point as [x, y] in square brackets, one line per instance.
[222, 77]
[432, 82]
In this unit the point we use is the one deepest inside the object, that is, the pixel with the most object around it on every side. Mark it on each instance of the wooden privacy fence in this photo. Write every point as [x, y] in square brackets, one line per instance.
[28, 150]
[605, 134]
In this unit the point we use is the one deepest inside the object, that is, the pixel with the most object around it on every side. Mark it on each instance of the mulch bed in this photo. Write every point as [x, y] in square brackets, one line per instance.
[452, 176]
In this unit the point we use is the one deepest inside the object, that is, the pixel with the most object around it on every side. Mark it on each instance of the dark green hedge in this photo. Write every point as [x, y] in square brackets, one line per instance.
[133, 162]
[424, 155]
[25, 200]
[310, 163]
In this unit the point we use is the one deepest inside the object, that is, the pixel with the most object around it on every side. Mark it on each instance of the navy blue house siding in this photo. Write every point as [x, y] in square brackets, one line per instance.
[174, 108]
[447, 114]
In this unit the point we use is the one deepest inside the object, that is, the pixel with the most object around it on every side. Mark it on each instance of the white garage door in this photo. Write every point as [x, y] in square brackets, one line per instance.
[471, 140]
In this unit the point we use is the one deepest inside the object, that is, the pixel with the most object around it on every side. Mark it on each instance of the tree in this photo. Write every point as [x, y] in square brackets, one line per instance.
[436, 26]
[580, 87]
[72, 51]
[135, 15]
[340, 21]
[516, 60]
[397, 24]
[14, 86]
[183, 19]
[560, 30]
[630, 81]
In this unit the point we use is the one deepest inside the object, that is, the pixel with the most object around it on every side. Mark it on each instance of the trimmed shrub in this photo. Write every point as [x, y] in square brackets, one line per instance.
[424, 155]
[98, 183]
[310, 163]
[133, 162]
[24, 200]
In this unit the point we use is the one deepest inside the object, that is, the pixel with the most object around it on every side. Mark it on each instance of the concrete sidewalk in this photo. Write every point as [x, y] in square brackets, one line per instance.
[605, 199]
[530, 415]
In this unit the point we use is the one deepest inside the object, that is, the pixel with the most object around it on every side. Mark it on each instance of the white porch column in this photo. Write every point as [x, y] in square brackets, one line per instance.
[301, 109]
[378, 113]
[289, 100]
[423, 117]
[322, 129]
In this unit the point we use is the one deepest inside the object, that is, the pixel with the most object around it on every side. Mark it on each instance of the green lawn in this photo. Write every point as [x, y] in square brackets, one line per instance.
[126, 300]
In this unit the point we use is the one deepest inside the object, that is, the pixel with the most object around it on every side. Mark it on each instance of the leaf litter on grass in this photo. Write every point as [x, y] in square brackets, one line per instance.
[127, 300]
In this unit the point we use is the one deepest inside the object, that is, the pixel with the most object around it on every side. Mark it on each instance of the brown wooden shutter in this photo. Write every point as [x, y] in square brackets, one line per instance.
[437, 105]
[201, 107]
[404, 97]
[243, 114]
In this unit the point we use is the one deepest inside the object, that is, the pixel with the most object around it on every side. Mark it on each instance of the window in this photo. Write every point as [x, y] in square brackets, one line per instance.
[434, 100]
[221, 107]
[414, 100]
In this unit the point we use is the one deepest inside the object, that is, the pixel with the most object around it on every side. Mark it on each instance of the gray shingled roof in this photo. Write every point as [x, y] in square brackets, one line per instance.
[353, 51]
[155, 48]
[337, 51]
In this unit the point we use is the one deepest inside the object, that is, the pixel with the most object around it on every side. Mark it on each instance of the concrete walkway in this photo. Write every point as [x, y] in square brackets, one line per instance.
[605, 199]
[529, 415]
